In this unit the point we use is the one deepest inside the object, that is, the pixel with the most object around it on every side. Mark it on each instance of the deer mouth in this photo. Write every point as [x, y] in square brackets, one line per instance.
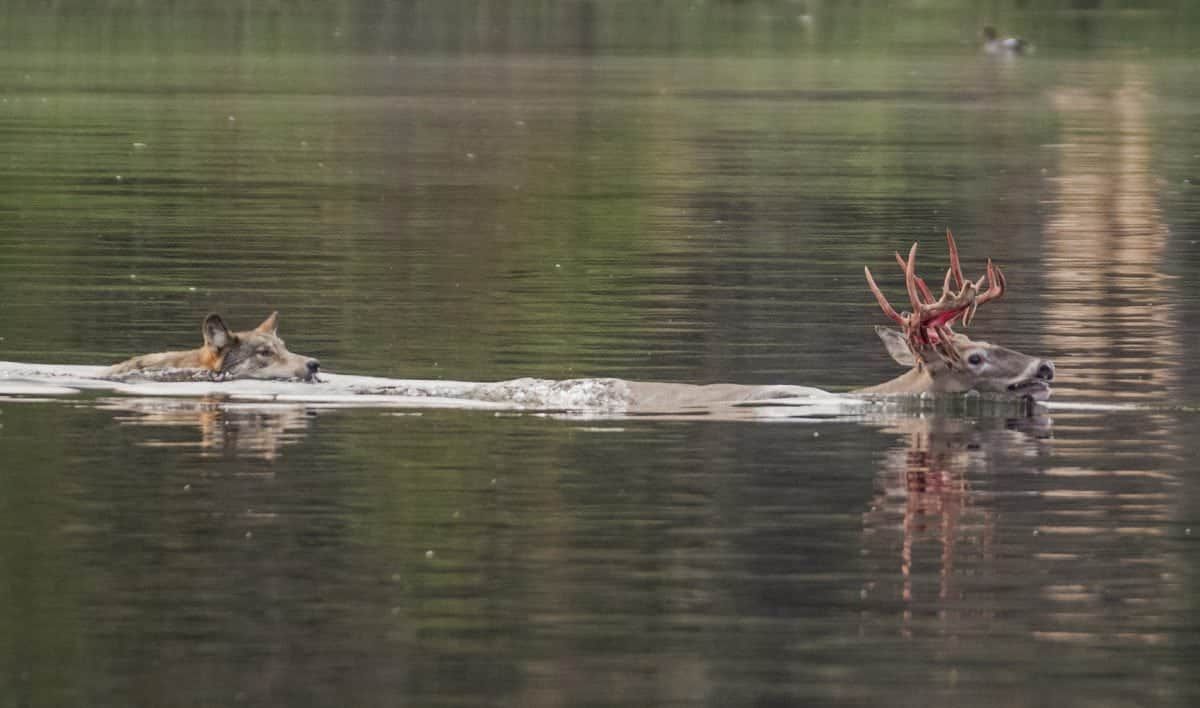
[1035, 389]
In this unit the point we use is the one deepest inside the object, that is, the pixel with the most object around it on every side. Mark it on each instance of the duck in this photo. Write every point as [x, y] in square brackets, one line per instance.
[994, 44]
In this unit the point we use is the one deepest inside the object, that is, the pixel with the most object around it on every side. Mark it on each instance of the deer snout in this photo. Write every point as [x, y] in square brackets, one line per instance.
[1045, 371]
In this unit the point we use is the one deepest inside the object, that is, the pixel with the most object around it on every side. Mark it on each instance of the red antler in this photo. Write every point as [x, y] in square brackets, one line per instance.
[929, 322]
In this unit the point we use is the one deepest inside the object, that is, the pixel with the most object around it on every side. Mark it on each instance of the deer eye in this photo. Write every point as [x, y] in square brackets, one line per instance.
[975, 359]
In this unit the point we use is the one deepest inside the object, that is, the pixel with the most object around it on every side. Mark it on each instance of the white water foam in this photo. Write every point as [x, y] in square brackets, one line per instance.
[592, 397]
[595, 397]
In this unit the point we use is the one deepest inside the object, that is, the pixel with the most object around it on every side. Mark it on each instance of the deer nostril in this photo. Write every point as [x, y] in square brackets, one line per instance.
[1045, 371]
[313, 365]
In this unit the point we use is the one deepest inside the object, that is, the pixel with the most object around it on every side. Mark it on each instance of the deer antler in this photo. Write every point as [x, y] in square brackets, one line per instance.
[928, 325]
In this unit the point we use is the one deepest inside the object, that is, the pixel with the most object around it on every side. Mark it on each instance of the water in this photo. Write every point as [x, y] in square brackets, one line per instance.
[667, 192]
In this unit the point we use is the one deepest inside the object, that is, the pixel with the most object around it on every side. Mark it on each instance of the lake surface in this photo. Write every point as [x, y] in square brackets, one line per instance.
[674, 192]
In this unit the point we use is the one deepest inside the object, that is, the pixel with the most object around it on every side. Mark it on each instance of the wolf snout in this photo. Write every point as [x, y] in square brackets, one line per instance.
[312, 365]
[1045, 371]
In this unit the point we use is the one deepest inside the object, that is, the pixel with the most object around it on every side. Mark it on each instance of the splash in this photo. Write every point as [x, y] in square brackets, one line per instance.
[585, 397]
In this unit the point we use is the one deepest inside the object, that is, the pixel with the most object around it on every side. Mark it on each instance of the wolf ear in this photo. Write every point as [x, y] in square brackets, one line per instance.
[269, 325]
[896, 345]
[216, 334]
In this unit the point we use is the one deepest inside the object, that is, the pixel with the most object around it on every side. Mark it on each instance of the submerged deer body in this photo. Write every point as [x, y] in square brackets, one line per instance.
[942, 360]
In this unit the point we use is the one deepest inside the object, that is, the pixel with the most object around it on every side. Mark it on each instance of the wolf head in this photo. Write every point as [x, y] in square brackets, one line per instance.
[255, 354]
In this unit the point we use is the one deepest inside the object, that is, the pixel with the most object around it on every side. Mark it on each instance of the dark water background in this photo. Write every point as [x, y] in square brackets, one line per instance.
[670, 191]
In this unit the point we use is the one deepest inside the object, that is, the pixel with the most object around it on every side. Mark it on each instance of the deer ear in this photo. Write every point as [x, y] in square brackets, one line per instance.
[897, 346]
[216, 334]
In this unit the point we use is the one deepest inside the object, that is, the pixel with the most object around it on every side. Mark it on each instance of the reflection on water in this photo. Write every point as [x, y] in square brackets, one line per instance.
[986, 535]
[214, 427]
[461, 557]
[1107, 298]
[924, 492]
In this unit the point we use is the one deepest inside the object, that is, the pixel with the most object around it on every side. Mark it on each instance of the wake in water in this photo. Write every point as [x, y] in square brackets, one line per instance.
[592, 397]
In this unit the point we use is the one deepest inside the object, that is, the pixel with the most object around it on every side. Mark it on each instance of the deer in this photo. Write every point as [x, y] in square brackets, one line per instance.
[942, 360]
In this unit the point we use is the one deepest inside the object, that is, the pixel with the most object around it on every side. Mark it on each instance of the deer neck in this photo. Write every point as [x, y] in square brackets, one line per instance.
[915, 380]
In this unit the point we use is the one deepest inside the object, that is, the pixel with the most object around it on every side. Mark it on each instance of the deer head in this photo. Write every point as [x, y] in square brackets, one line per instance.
[942, 360]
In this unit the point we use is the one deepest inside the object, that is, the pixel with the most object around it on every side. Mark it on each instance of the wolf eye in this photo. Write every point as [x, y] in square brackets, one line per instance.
[975, 359]
[263, 351]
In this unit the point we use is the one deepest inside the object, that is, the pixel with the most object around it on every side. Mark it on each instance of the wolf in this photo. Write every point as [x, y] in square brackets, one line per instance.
[254, 354]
